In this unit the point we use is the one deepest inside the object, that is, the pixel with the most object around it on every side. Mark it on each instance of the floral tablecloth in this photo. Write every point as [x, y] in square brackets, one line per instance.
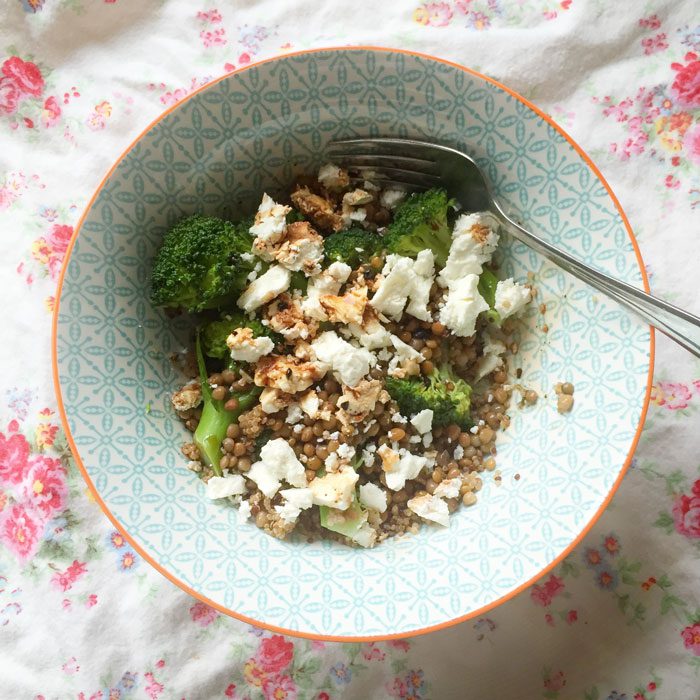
[82, 616]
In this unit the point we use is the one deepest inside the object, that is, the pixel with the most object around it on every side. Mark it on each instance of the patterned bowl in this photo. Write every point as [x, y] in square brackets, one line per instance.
[216, 152]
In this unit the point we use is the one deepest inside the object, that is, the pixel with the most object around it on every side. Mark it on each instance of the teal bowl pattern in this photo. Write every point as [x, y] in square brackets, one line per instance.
[216, 152]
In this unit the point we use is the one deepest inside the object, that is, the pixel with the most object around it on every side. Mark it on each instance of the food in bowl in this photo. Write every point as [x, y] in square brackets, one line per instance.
[349, 370]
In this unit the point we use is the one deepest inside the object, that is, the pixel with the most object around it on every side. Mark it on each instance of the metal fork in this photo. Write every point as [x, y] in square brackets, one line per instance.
[418, 165]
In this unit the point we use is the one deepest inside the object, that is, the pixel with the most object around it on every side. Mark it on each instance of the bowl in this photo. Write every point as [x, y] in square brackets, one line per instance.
[216, 152]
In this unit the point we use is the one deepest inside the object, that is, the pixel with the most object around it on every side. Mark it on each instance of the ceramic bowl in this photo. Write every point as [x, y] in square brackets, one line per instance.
[216, 152]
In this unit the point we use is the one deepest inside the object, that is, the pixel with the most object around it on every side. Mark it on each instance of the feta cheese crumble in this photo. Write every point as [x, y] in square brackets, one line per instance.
[245, 348]
[277, 463]
[405, 281]
[511, 298]
[431, 508]
[265, 288]
[334, 490]
[225, 486]
[371, 496]
[348, 363]
[423, 421]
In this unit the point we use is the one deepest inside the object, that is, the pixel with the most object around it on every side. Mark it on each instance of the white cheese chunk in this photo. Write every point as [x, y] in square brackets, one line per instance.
[431, 508]
[328, 282]
[463, 306]
[277, 462]
[334, 490]
[332, 177]
[511, 298]
[371, 496]
[408, 467]
[423, 421]
[244, 511]
[295, 500]
[404, 279]
[310, 403]
[366, 536]
[224, 486]
[349, 364]
[474, 240]
[449, 488]
[270, 221]
[493, 349]
[265, 288]
[405, 360]
[245, 348]
[390, 198]
[294, 414]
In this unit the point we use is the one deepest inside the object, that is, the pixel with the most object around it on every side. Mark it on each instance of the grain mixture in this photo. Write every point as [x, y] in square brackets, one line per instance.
[351, 356]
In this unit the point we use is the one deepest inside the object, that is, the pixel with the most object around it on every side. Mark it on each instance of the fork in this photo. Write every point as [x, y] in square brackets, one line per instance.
[414, 165]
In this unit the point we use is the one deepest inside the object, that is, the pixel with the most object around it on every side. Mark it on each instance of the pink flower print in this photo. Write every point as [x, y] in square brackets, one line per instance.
[435, 14]
[671, 395]
[217, 37]
[691, 638]
[91, 601]
[25, 75]
[20, 530]
[686, 86]
[691, 143]
[59, 238]
[14, 455]
[244, 59]
[51, 113]
[543, 595]
[45, 435]
[549, 619]
[65, 579]
[402, 644]
[372, 652]
[71, 666]
[9, 96]
[554, 683]
[203, 614]
[212, 16]
[275, 654]
[96, 121]
[7, 196]
[686, 513]
[571, 617]
[463, 6]
[554, 586]
[653, 44]
[479, 21]
[652, 22]
[45, 486]
[153, 689]
[230, 691]
[279, 688]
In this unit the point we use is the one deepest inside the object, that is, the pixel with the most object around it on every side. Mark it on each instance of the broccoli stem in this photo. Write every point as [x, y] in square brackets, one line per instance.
[215, 419]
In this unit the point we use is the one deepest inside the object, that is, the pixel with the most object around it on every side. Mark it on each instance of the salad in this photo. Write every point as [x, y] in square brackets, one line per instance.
[349, 368]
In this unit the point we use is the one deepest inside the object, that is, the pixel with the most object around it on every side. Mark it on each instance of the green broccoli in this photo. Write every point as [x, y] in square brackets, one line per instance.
[200, 264]
[487, 288]
[214, 333]
[421, 222]
[353, 247]
[215, 419]
[448, 396]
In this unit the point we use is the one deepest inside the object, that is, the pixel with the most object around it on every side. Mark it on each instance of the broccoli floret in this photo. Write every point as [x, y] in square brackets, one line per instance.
[421, 223]
[214, 334]
[200, 266]
[215, 419]
[487, 288]
[353, 247]
[448, 396]
[299, 281]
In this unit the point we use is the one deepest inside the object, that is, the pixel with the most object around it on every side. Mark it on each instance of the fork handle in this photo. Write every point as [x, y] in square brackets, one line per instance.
[676, 323]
